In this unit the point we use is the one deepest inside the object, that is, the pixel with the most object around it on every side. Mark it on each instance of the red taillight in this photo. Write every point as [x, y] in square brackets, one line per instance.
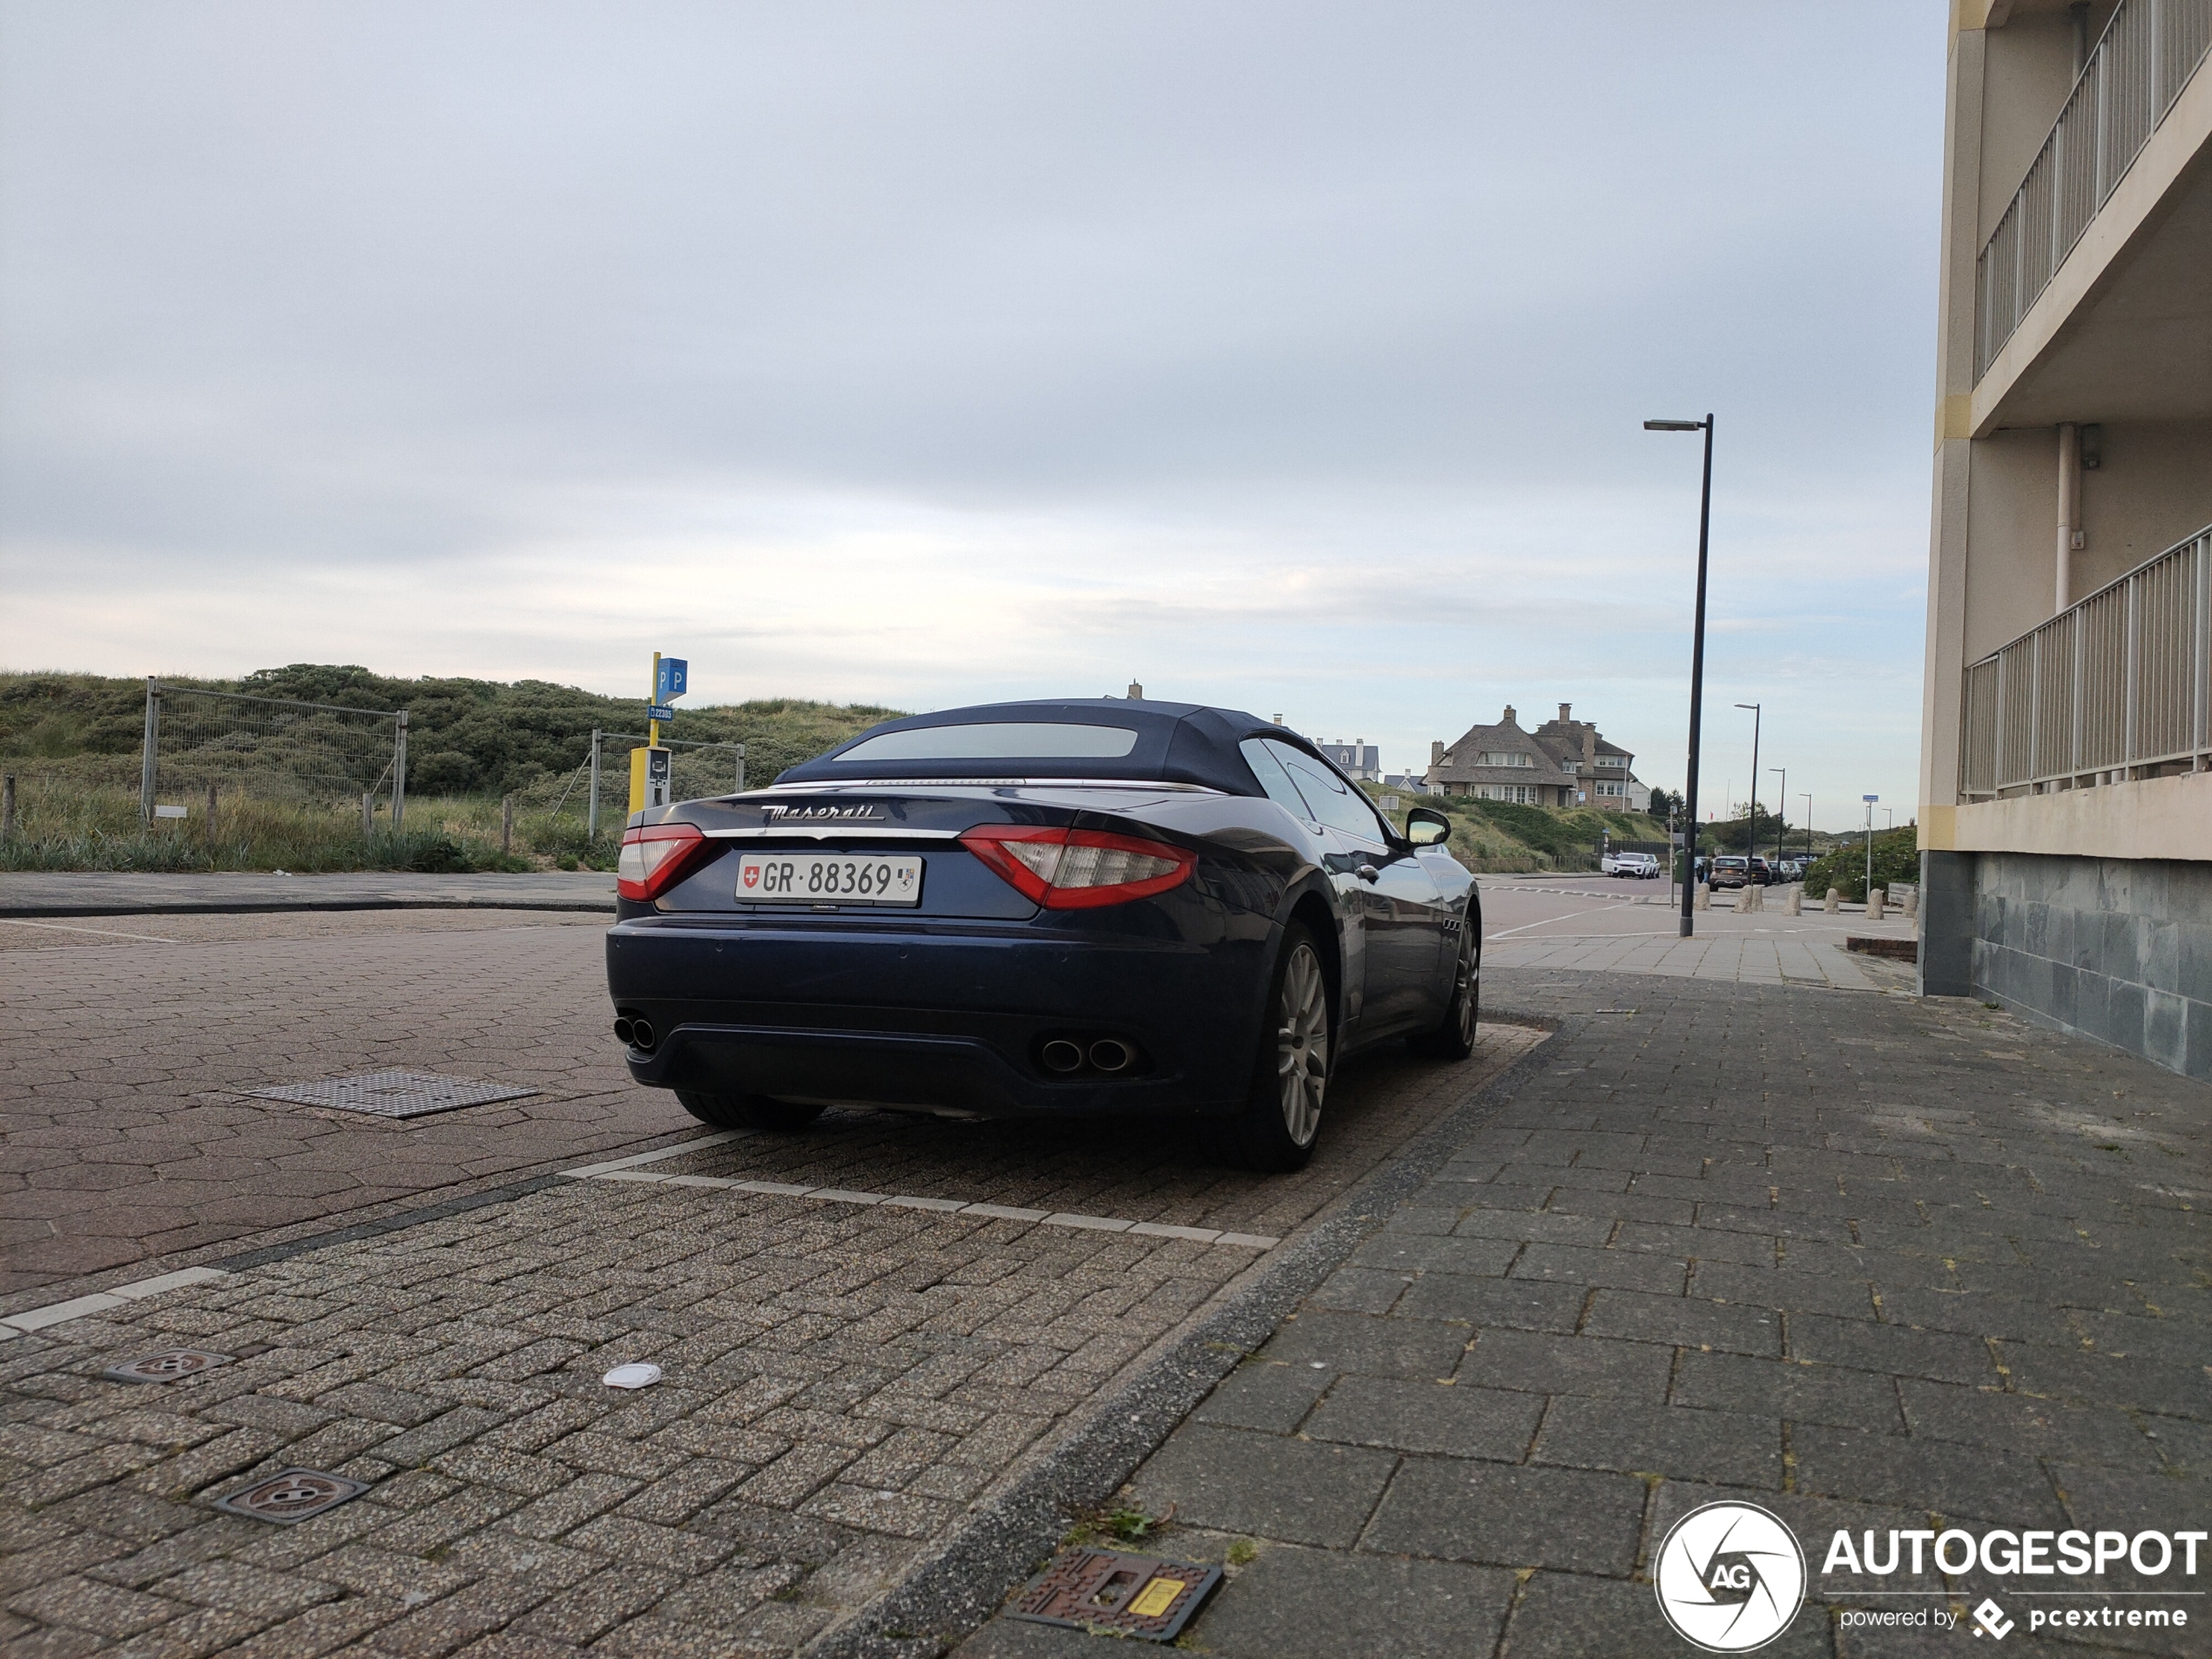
[1072, 869]
[654, 856]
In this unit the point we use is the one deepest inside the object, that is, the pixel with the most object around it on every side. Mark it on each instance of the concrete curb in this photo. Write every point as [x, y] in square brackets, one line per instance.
[259, 907]
[959, 1583]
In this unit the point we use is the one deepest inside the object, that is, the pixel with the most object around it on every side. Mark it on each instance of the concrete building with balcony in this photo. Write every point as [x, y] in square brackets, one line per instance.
[2066, 786]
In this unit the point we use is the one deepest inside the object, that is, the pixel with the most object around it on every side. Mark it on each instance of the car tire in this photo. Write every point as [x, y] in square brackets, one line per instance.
[1281, 1119]
[749, 1111]
[1452, 1038]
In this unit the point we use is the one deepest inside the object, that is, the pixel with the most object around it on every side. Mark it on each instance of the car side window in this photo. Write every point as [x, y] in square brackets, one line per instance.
[1335, 802]
[1260, 758]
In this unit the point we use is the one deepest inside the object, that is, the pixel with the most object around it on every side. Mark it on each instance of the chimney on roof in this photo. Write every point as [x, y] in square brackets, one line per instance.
[1510, 715]
[1436, 753]
[1566, 712]
[1136, 692]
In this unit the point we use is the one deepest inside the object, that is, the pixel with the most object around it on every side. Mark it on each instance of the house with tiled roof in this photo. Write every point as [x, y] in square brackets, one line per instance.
[1602, 770]
[1501, 762]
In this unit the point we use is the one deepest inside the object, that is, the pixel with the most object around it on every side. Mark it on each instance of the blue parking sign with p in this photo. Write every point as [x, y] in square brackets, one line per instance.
[670, 685]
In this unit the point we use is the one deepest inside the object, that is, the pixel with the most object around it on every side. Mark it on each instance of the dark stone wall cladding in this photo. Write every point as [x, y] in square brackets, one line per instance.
[2116, 949]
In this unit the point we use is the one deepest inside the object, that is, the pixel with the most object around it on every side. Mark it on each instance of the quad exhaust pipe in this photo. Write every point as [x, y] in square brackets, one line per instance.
[1078, 1052]
[1110, 1055]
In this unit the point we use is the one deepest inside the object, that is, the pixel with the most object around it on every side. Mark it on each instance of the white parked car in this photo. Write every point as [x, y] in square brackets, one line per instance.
[1642, 864]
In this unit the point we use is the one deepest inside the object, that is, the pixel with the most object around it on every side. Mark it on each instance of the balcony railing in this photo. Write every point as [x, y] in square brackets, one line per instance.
[2117, 687]
[2142, 60]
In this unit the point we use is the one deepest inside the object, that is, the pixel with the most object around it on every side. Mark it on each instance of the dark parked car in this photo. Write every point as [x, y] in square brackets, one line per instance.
[1045, 908]
[1762, 872]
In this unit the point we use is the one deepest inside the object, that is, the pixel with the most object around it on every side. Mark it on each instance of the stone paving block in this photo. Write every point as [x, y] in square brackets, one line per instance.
[1354, 1342]
[2146, 1384]
[1987, 1483]
[1360, 1290]
[242, 1588]
[1774, 1287]
[1427, 1416]
[1272, 1396]
[1946, 1356]
[1519, 1303]
[1779, 1388]
[321, 1630]
[87, 1604]
[1412, 1253]
[588, 1610]
[366, 1570]
[419, 1445]
[2023, 1423]
[1571, 1615]
[1678, 1441]
[202, 1632]
[1685, 1322]
[1296, 1603]
[1264, 1484]
[1619, 1269]
[1536, 1227]
[1508, 1516]
[1541, 1362]
[623, 1539]
[571, 1506]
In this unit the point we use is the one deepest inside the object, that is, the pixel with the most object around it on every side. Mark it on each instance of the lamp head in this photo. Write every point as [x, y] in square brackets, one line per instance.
[1674, 426]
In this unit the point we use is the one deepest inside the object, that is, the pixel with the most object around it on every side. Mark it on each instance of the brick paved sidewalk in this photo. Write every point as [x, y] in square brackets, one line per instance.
[1866, 1262]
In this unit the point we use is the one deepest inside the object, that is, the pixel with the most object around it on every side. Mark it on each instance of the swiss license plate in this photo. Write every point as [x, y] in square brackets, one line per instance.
[828, 878]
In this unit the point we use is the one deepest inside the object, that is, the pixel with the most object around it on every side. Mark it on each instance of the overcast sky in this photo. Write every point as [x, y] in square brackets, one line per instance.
[1291, 357]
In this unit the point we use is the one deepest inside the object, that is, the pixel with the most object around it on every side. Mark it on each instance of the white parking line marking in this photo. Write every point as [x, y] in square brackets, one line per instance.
[79, 1307]
[677, 1150]
[1594, 910]
[103, 933]
[624, 1170]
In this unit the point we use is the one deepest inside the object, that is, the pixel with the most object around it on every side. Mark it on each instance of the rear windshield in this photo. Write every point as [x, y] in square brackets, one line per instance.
[997, 740]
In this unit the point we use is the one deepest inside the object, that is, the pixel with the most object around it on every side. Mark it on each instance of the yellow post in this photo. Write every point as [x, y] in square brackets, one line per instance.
[652, 741]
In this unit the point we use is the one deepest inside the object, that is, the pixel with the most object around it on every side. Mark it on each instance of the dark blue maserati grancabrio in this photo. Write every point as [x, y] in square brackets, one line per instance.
[1045, 909]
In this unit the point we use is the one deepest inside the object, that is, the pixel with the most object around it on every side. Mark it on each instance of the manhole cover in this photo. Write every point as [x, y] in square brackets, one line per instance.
[291, 1495]
[392, 1094]
[173, 1367]
[1130, 1596]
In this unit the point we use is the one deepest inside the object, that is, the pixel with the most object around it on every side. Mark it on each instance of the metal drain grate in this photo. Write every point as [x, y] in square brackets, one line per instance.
[392, 1094]
[1126, 1595]
[293, 1494]
[172, 1366]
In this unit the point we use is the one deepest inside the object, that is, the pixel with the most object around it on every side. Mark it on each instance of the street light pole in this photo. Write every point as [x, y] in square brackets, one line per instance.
[1752, 810]
[1807, 798]
[1870, 800]
[1697, 655]
[1780, 828]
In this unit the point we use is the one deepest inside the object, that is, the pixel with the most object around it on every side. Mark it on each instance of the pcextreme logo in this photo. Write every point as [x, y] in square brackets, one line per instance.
[1729, 1577]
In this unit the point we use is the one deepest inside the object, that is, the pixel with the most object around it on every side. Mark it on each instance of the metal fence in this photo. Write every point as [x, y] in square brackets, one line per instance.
[2117, 686]
[269, 748]
[2139, 65]
[695, 771]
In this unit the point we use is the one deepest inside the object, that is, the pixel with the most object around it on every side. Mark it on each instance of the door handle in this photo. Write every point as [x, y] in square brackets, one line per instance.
[1368, 873]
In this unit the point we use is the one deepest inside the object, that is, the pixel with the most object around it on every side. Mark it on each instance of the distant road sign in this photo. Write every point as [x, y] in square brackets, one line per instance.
[668, 684]
[660, 712]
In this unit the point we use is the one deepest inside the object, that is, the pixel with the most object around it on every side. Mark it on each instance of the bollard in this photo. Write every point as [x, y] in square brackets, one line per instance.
[506, 825]
[1911, 907]
[1874, 897]
[1833, 903]
[8, 807]
[1704, 900]
[1751, 896]
[369, 817]
[214, 829]
[1797, 901]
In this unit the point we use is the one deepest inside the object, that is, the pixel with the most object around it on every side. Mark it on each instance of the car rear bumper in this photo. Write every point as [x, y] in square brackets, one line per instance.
[941, 1019]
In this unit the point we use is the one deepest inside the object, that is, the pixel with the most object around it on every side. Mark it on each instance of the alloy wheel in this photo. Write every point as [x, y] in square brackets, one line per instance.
[1302, 1044]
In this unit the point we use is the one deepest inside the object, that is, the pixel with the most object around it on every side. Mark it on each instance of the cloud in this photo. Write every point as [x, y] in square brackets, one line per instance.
[1292, 357]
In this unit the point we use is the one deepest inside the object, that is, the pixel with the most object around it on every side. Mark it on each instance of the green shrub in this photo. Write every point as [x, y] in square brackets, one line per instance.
[1897, 857]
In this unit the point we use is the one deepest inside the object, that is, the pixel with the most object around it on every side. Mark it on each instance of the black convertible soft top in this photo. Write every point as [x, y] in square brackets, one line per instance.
[1182, 742]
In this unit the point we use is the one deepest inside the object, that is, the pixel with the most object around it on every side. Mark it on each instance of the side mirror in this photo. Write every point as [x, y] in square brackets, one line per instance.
[1425, 826]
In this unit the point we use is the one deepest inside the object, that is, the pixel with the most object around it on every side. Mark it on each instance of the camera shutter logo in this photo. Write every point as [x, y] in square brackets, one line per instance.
[1729, 1577]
